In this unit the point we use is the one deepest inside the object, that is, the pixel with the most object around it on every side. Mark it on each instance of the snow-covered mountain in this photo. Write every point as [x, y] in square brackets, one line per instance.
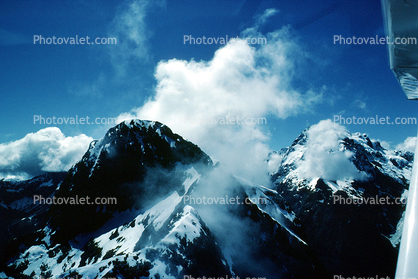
[19, 215]
[179, 214]
[350, 194]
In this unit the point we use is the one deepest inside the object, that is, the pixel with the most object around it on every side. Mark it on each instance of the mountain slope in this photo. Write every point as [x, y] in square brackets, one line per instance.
[350, 239]
[135, 162]
[146, 169]
[296, 227]
[19, 214]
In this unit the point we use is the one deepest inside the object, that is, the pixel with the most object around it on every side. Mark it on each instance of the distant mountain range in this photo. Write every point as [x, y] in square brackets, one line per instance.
[158, 207]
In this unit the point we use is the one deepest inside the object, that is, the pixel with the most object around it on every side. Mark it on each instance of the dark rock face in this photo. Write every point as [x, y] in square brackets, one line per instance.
[351, 239]
[117, 167]
[299, 232]
[279, 248]
[19, 214]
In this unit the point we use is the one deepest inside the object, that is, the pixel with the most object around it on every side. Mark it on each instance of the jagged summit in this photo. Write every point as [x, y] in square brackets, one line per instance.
[290, 228]
[148, 142]
[321, 170]
[135, 163]
[347, 149]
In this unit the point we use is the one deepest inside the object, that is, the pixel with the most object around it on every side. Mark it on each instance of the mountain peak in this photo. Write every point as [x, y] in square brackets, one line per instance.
[337, 154]
[118, 165]
[288, 228]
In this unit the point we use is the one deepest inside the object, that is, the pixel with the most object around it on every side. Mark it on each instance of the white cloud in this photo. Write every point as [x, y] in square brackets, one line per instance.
[46, 150]
[241, 81]
[132, 48]
[260, 20]
[323, 157]
[130, 29]
[359, 104]
[274, 162]
[266, 15]
[408, 144]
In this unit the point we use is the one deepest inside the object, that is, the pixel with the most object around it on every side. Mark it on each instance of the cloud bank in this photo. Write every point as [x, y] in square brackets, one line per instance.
[242, 82]
[46, 150]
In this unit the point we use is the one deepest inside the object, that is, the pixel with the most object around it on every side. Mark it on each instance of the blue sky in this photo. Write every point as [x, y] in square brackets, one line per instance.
[297, 79]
